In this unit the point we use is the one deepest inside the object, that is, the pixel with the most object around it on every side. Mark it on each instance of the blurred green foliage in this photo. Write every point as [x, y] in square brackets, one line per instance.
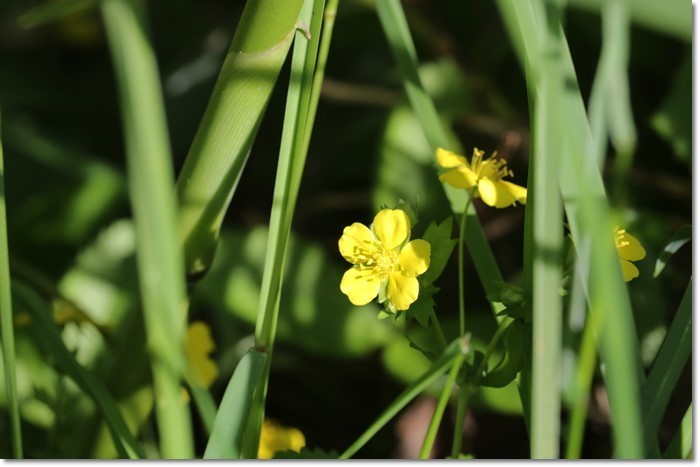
[336, 366]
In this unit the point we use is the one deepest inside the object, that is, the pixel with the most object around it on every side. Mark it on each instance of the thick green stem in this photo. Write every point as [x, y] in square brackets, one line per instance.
[225, 136]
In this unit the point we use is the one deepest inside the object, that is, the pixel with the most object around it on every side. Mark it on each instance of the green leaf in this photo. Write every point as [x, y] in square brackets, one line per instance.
[422, 308]
[307, 453]
[441, 246]
[226, 438]
[507, 369]
[680, 238]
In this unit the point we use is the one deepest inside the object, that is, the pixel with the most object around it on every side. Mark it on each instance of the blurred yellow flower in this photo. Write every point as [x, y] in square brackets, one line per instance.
[384, 262]
[628, 249]
[482, 177]
[275, 438]
[199, 344]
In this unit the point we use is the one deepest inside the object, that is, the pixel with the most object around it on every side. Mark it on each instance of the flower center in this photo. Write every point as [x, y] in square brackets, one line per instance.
[380, 260]
[619, 235]
[492, 168]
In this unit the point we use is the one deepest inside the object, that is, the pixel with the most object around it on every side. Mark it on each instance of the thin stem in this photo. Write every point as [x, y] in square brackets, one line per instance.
[452, 352]
[462, 228]
[438, 330]
[467, 391]
[462, 403]
[440, 409]
[584, 377]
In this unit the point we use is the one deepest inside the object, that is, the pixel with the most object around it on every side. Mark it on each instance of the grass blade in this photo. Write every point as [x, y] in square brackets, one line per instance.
[681, 446]
[226, 437]
[49, 338]
[225, 136]
[590, 220]
[668, 366]
[6, 323]
[449, 355]
[396, 29]
[292, 158]
[547, 248]
[151, 179]
[680, 238]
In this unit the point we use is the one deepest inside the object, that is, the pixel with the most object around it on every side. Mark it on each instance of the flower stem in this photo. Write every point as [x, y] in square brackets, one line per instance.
[440, 408]
[467, 390]
[438, 330]
[462, 228]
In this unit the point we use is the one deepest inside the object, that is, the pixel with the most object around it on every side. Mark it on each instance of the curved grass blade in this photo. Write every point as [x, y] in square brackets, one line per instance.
[226, 437]
[159, 259]
[49, 338]
[453, 351]
[296, 135]
[225, 136]
[680, 238]
[7, 334]
[672, 358]
[590, 220]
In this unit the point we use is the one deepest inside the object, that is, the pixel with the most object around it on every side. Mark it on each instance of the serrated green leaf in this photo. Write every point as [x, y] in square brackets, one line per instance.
[422, 308]
[680, 238]
[441, 246]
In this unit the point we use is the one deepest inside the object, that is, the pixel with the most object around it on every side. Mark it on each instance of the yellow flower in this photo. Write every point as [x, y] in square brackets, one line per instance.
[199, 344]
[482, 177]
[628, 249]
[385, 262]
[275, 438]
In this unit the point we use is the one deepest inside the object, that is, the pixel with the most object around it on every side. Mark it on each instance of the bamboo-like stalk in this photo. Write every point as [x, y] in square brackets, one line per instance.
[225, 136]
[159, 261]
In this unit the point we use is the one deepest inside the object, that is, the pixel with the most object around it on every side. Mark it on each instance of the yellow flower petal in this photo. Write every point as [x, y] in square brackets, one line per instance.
[631, 249]
[355, 239]
[495, 194]
[199, 344]
[519, 192]
[629, 270]
[402, 290]
[414, 258]
[449, 159]
[361, 286]
[461, 177]
[392, 227]
[276, 438]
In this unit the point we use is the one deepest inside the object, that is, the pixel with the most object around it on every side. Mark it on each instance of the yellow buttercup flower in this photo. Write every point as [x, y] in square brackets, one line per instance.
[275, 438]
[482, 177]
[384, 262]
[199, 344]
[628, 249]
